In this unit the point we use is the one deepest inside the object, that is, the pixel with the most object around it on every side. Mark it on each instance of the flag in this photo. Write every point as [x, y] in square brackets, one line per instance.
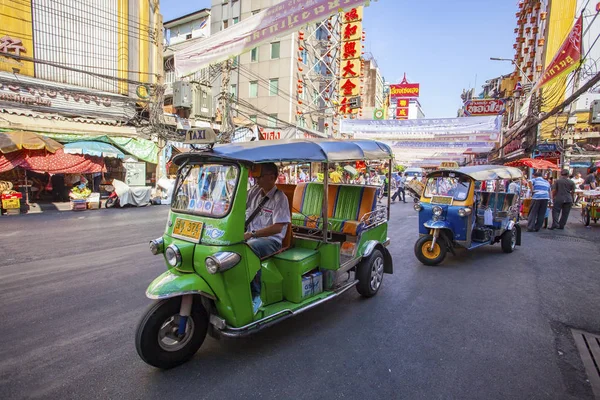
[567, 58]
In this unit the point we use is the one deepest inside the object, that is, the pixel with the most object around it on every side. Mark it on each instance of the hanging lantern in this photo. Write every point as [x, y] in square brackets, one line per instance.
[543, 15]
[326, 124]
[527, 30]
[541, 42]
[538, 68]
[300, 48]
[300, 102]
[530, 77]
[300, 69]
[535, 29]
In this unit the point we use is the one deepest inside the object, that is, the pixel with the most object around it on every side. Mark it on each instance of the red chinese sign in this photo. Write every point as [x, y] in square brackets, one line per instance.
[350, 31]
[484, 107]
[348, 88]
[402, 103]
[402, 113]
[567, 58]
[352, 15]
[350, 69]
[350, 50]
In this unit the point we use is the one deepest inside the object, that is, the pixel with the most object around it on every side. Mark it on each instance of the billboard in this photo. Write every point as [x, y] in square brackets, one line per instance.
[482, 107]
[406, 90]
[350, 67]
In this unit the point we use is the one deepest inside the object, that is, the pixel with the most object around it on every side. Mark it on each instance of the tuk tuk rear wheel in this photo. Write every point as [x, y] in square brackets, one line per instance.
[370, 274]
[156, 339]
[427, 256]
[509, 240]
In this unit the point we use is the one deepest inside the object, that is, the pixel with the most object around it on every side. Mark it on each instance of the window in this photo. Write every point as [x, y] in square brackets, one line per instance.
[273, 87]
[275, 47]
[302, 122]
[302, 94]
[315, 99]
[198, 185]
[235, 62]
[225, 24]
[233, 90]
[254, 55]
[188, 36]
[304, 56]
[253, 118]
[253, 89]
[236, 20]
[315, 126]
[272, 121]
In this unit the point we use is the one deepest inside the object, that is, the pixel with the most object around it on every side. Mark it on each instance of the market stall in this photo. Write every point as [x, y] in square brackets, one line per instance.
[23, 153]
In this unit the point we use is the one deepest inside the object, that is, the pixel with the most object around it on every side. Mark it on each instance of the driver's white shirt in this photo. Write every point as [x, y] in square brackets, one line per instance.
[275, 211]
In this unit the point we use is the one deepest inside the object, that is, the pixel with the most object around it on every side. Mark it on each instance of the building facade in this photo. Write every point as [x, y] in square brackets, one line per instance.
[373, 95]
[78, 67]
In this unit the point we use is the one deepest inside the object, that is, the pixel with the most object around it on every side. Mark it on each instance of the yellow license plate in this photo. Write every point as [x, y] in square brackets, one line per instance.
[441, 200]
[11, 203]
[186, 229]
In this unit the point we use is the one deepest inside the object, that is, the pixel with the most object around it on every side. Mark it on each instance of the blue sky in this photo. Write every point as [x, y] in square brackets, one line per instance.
[440, 44]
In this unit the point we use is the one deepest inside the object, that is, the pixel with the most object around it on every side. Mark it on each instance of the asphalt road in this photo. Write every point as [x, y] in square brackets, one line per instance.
[485, 325]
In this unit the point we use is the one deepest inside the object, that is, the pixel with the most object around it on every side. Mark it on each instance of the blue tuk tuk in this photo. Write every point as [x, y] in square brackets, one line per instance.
[468, 207]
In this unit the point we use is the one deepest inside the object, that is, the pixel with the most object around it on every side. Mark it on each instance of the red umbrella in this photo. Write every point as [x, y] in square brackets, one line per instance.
[533, 163]
[53, 163]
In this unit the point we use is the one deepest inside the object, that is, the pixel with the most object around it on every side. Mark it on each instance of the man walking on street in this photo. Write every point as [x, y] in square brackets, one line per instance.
[562, 193]
[400, 182]
[539, 202]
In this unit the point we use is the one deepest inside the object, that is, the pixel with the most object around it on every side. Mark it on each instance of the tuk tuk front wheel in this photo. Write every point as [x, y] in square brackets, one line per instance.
[157, 340]
[509, 240]
[429, 256]
[370, 274]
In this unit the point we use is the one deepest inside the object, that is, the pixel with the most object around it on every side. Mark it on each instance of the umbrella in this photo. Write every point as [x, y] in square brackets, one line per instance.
[23, 140]
[91, 148]
[350, 169]
[533, 163]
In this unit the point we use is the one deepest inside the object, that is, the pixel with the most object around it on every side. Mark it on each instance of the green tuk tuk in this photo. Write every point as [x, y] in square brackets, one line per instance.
[337, 240]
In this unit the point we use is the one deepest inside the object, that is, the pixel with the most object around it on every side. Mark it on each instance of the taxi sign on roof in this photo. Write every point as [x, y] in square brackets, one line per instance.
[200, 136]
[448, 165]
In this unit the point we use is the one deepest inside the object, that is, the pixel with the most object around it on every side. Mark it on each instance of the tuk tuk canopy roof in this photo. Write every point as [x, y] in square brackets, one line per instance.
[487, 172]
[293, 150]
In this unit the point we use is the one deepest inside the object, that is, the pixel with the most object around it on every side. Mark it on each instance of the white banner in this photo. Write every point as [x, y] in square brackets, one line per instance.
[275, 21]
[470, 128]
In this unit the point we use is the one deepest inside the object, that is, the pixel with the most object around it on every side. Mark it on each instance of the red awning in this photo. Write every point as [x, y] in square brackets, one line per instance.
[532, 163]
[57, 163]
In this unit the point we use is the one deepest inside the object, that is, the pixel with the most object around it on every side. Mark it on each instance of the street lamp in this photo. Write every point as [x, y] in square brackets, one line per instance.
[515, 64]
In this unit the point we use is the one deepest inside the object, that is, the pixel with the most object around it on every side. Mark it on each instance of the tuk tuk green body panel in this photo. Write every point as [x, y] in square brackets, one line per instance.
[329, 252]
[173, 282]
[292, 264]
[377, 233]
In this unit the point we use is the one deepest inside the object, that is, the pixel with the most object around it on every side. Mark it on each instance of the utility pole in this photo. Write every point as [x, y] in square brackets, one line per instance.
[227, 125]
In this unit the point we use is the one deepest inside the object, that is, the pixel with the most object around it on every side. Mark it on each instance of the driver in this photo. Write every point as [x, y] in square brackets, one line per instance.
[267, 219]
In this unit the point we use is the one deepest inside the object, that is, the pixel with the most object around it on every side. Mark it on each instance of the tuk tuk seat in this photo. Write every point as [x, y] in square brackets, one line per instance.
[347, 205]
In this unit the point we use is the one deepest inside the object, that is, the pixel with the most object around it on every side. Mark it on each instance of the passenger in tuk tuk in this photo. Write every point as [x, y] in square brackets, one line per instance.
[267, 219]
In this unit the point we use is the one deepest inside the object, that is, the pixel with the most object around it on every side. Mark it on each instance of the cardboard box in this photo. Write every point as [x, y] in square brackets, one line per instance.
[306, 286]
[312, 284]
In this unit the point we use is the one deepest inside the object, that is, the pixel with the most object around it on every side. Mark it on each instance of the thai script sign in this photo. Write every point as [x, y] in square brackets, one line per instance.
[480, 107]
[276, 21]
[404, 90]
[567, 58]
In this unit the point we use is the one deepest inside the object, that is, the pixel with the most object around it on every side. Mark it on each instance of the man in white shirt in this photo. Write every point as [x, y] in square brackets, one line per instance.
[267, 220]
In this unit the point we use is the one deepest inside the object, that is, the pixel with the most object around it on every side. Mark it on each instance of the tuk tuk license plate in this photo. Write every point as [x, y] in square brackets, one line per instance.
[186, 229]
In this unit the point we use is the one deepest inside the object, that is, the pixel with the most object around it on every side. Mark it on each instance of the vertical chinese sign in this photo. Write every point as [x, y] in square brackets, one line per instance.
[350, 66]
[402, 109]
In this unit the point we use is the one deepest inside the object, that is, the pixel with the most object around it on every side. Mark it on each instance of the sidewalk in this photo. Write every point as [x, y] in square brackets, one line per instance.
[574, 228]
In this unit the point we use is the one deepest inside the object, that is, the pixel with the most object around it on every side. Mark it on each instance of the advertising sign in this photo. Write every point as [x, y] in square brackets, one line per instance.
[350, 67]
[480, 107]
[274, 22]
[567, 58]
[406, 90]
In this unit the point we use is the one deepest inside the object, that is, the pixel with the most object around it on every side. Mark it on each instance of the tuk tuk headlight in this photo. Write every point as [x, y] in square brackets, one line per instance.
[157, 246]
[463, 212]
[173, 256]
[437, 211]
[222, 261]
[418, 207]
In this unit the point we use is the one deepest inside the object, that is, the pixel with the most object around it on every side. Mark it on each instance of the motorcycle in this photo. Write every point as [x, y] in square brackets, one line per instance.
[124, 195]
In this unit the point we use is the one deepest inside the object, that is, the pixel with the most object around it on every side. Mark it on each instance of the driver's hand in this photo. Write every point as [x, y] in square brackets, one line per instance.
[247, 235]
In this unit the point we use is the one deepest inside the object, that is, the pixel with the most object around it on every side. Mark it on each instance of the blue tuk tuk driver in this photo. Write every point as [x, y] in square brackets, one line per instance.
[267, 219]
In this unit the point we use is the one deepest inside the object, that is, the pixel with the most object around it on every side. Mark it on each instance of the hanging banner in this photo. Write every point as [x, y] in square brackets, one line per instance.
[567, 58]
[462, 129]
[276, 21]
[350, 63]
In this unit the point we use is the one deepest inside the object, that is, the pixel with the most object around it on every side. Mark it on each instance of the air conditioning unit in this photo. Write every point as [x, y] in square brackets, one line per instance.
[595, 112]
[182, 94]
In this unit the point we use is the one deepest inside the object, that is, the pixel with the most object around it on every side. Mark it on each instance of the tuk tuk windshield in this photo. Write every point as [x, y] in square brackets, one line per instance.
[205, 189]
[457, 188]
